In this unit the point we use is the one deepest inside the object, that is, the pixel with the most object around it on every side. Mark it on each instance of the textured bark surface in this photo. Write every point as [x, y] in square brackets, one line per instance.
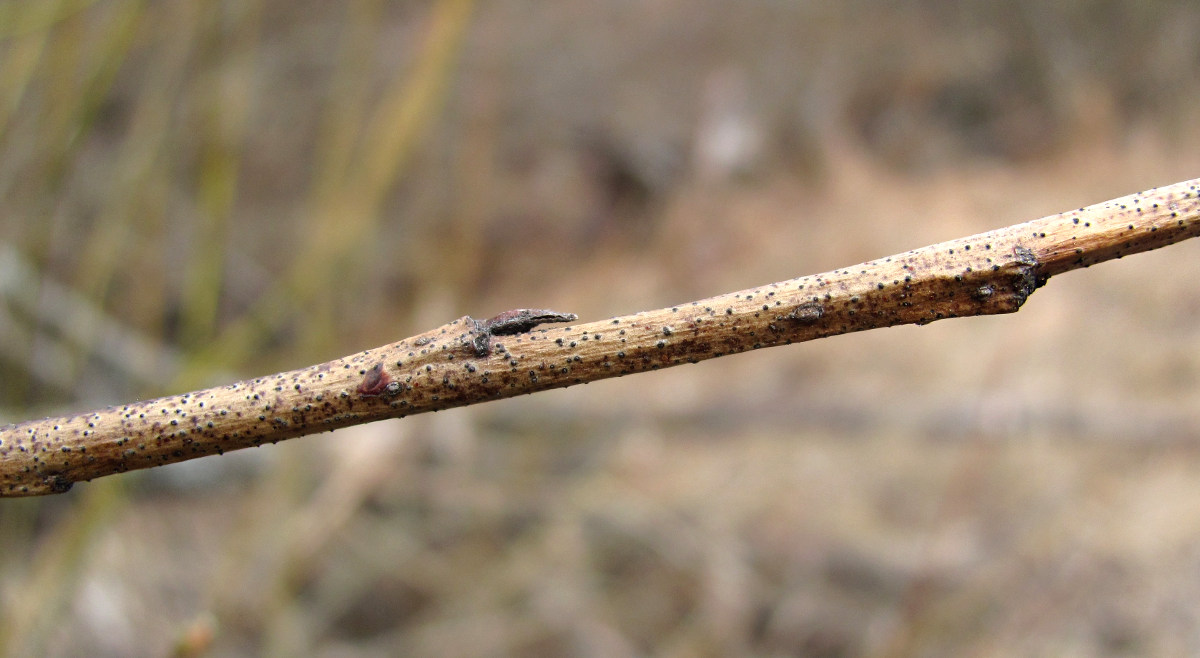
[469, 361]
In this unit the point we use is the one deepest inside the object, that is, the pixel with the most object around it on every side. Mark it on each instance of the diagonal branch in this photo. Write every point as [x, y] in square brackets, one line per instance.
[468, 361]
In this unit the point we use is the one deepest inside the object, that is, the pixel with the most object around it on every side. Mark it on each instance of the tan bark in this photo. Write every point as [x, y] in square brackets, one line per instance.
[469, 361]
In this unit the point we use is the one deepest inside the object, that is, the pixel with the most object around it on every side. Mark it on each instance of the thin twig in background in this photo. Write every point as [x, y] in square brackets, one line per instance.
[78, 331]
[468, 361]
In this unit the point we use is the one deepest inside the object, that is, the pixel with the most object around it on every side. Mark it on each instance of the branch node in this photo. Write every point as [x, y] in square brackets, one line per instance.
[1029, 276]
[807, 313]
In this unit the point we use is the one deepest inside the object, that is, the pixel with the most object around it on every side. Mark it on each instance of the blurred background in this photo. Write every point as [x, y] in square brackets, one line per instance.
[197, 191]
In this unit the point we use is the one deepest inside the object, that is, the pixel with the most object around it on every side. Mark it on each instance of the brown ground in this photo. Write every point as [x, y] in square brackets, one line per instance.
[265, 185]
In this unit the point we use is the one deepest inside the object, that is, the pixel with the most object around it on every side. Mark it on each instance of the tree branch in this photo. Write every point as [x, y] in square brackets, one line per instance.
[468, 361]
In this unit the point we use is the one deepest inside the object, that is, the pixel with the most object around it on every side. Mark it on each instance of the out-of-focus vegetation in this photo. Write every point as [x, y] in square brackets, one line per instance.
[197, 191]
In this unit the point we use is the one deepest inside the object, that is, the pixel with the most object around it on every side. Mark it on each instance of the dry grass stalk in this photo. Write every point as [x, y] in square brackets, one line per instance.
[469, 361]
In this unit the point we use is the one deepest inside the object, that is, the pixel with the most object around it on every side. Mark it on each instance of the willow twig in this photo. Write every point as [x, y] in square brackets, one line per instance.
[469, 361]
